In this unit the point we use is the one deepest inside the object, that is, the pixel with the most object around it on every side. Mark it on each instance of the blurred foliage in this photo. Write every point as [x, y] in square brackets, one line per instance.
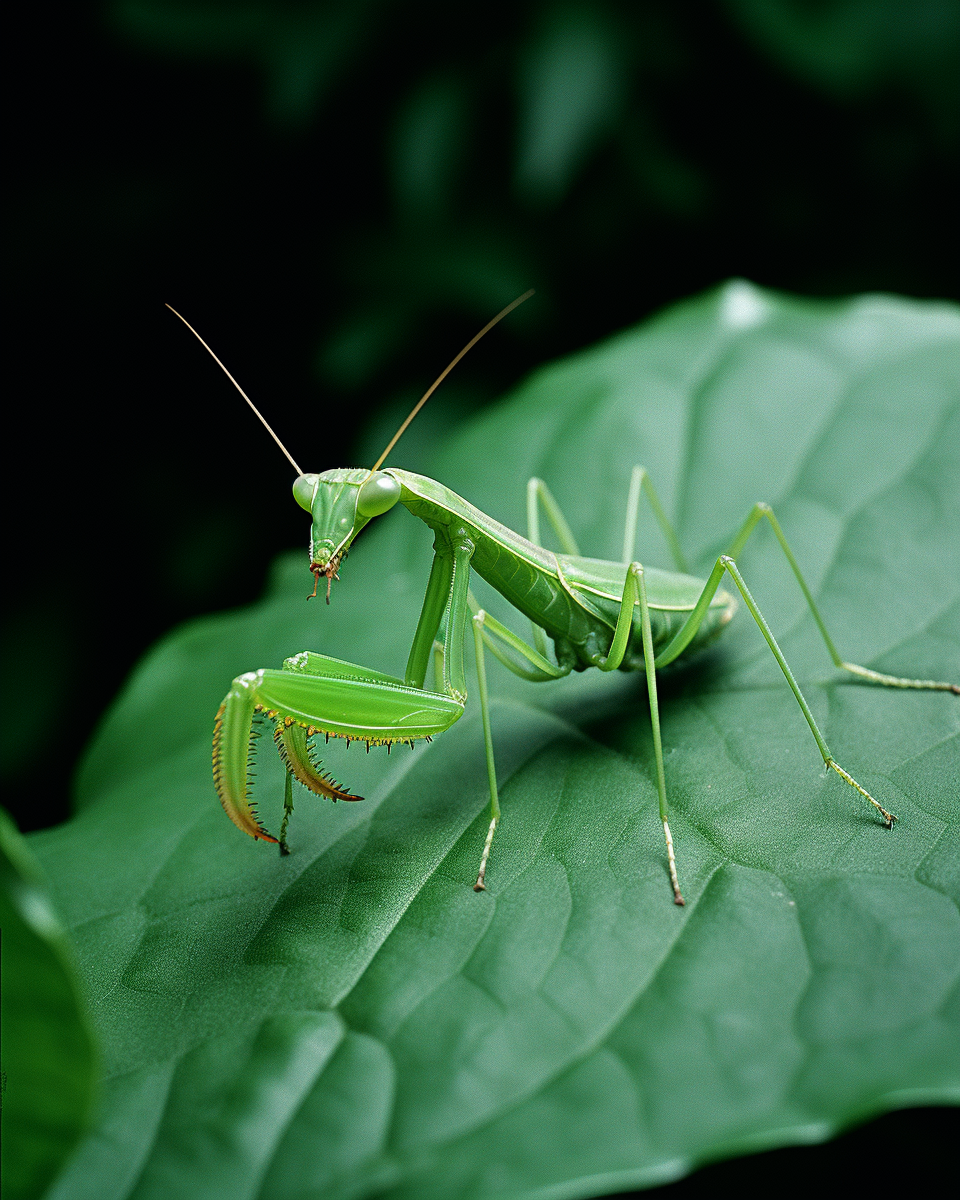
[858, 48]
[49, 1064]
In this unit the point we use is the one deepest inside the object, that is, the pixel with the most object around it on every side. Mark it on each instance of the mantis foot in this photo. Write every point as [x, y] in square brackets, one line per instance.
[480, 886]
[888, 817]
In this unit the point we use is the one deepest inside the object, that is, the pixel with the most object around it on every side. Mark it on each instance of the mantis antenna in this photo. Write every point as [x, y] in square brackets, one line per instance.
[289, 456]
[440, 378]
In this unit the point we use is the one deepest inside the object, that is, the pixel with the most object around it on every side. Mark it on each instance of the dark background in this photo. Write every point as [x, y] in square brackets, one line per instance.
[338, 195]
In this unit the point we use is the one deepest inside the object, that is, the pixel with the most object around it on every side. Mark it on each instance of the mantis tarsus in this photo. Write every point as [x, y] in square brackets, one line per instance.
[609, 615]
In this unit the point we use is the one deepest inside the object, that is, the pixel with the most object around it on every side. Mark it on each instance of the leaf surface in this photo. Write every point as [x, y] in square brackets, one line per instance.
[49, 1066]
[354, 1020]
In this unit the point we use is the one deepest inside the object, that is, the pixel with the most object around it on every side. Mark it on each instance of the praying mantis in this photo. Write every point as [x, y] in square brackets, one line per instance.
[597, 613]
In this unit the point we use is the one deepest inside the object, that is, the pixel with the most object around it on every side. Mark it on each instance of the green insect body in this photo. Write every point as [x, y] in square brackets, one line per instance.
[575, 600]
[596, 613]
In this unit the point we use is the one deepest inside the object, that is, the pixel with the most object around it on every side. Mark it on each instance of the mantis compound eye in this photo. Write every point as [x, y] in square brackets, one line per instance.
[304, 487]
[378, 494]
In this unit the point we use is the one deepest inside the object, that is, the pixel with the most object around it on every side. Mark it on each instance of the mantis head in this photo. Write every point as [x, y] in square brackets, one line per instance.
[341, 502]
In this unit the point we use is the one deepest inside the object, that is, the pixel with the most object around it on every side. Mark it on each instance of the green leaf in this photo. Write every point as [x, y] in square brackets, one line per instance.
[49, 1066]
[300, 49]
[573, 87]
[354, 1020]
